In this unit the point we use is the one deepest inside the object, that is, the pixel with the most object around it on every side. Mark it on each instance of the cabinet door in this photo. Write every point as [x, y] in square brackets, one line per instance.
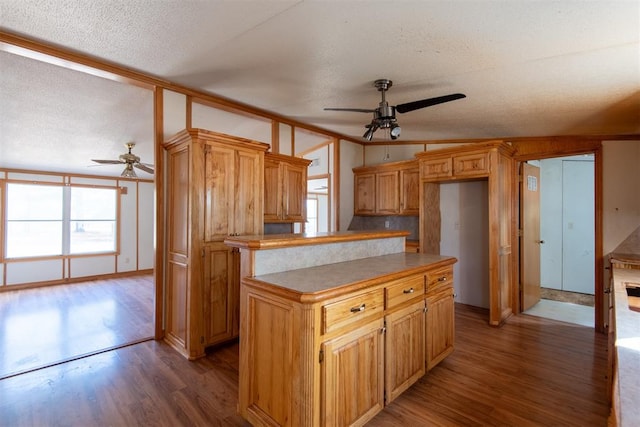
[436, 168]
[294, 193]
[410, 192]
[272, 190]
[476, 164]
[405, 349]
[387, 193]
[440, 331]
[364, 195]
[218, 299]
[248, 193]
[353, 376]
[219, 185]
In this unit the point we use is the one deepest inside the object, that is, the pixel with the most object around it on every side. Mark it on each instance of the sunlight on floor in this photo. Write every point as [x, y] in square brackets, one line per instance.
[564, 312]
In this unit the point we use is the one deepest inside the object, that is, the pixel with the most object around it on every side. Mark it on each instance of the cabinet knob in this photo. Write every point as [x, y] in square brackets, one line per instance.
[408, 291]
[358, 309]
[442, 279]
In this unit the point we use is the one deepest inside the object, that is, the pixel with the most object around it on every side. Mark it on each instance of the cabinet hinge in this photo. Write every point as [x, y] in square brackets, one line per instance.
[202, 253]
[321, 356]
[384, 327]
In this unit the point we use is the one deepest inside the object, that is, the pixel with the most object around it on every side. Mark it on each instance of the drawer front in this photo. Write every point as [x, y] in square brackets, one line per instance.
[403, 290]
[435, 168]
[471, 164]
[352, 309]
[439, 278]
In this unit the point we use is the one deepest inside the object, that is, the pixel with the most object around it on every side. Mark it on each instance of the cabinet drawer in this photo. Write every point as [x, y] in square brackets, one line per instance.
[403, 290]
[439, 278]
[352, 309]
[435, 168]
[471, 164]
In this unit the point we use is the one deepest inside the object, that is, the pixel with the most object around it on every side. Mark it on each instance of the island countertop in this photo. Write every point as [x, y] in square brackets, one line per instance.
[272, 241]
[317, 283]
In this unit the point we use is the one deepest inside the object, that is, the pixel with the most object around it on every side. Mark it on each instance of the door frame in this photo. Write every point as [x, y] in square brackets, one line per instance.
[538, 150]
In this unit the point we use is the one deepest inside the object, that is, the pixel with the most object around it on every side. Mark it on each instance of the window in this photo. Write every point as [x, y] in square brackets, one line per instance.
[53, 220]
[312, 216]
[34, 220]
[92, 220]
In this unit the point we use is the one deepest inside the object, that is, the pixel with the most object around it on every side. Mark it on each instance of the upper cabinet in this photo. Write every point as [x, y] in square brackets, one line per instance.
[285, 188]
[387, 189]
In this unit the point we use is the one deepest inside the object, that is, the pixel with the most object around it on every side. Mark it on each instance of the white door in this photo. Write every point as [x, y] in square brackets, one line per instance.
[578, 234]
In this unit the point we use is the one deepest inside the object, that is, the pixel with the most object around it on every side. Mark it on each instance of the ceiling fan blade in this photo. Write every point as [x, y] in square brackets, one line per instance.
[107, 162]
[143, 167]
[355, 110]
[416, 105]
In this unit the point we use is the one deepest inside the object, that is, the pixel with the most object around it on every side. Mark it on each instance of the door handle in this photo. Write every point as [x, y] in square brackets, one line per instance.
[540, 241]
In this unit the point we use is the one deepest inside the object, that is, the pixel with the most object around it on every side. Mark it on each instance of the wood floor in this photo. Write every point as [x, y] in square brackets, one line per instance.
[42, 326]
[530, 372]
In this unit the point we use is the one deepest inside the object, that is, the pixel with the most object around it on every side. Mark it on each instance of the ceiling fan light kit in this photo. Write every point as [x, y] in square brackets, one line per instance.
[384, 117]
[130, 161]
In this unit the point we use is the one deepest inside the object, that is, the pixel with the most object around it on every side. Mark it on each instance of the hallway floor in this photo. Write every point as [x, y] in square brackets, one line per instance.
[564, 312]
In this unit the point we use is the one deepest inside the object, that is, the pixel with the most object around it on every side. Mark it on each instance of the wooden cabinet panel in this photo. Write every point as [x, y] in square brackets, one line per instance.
[365, 194]
[440, 329]
[219, 297]
[285, 188]
[436, 168]
[219, 187]
[387, 193]
[248, 193]
[352, 309]
[471, 164]
[405, 349]
[294, 193]
[353, 376]
[272, 190]
[410, 192]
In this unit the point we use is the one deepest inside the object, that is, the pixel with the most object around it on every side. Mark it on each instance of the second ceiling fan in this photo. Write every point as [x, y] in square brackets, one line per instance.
[384, 117]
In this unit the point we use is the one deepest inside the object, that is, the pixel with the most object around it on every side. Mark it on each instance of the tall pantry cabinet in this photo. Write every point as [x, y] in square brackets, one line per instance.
[214, 189]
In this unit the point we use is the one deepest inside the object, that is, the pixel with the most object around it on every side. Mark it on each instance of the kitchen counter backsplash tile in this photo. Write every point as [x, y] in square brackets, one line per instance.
[395, 222]
[294, 258]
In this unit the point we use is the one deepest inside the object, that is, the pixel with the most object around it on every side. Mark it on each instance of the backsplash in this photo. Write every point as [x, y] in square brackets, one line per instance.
[408, 223]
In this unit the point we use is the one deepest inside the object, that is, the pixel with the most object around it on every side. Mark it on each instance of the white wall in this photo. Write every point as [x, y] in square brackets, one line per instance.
[464, 210]
[621, 191]
[350, 157]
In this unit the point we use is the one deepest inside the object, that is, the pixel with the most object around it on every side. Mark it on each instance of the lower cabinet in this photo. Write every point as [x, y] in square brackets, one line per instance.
[220, 288]
[353, 376]
[405, 349]
[440, 330]
[338, 360]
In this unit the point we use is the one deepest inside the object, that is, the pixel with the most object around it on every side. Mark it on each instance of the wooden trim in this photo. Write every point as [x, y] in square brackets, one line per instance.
[70, 280]
[334, 187]
[275, 136]
[598, 244]
[158, 270]
[277, 241]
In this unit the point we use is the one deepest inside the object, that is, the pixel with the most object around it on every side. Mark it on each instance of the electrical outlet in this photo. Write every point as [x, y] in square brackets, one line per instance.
[386, 224]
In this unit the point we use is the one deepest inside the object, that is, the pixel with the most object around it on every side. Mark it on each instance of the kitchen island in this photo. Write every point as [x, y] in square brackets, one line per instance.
[332, 344]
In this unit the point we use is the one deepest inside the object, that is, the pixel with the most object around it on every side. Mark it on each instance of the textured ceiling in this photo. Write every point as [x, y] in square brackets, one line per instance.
[528, 68]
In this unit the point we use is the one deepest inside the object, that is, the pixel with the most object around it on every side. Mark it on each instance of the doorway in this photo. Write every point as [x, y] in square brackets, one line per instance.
[566, 254]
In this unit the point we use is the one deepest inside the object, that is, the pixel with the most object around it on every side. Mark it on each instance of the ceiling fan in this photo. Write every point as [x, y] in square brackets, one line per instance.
[130, 161]
[384, 117]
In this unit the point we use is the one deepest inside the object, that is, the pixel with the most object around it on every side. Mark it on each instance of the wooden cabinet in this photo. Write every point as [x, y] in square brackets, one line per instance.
[494, 162]
[440, 326]
[387, 189]
[337, 359]
[214, 189]
[405, 348]
[285, 188]
[353, 376]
